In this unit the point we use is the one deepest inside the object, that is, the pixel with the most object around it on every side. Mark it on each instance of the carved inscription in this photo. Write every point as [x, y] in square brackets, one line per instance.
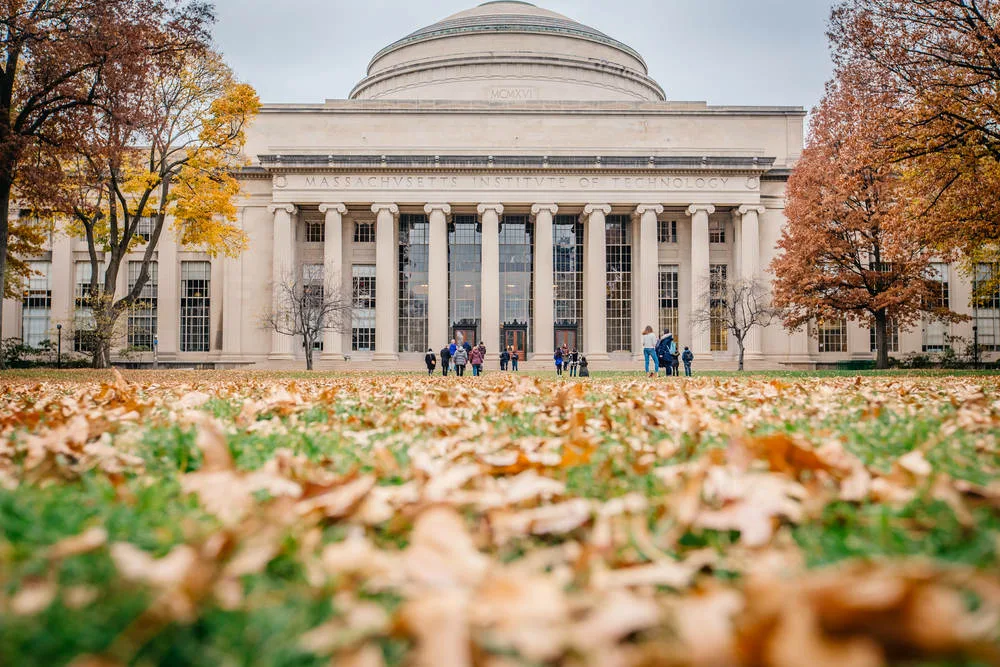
[503, 182]
[511, 94]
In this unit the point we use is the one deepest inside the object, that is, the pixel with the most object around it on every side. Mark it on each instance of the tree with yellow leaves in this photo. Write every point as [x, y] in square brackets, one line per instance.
[163, 155]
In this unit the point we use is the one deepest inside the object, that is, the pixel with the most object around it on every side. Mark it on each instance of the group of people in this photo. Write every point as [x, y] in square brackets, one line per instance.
[456, 356]
[570, 361]
[662, 351]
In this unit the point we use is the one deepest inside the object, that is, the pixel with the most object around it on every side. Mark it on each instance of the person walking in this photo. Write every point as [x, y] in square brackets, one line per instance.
[451, 348]
[515, 356]
[461, 358]
[476, 359]
[482, 353]
[687, 357]
[558, 358]
[431, 360]
[445, 359]
[649, 351]
[504, 359]
[574, 362]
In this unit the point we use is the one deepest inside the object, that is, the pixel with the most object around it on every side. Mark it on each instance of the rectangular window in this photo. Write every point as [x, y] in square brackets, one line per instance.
[892, 333]
[144, 228]
[363, 312]
[666, 231]
[935, 331]
[567, 262]
[364, 232]
[669, 299]
[986, 302]
[516, 244]
[716, 231]
[618, 237]
[312, 289]
[83, 313]
[315, 232]
[718, 331]
[37, 305]
[465, 264]
[195, 306]
[414, 236]
[142, 314]
[832, 335]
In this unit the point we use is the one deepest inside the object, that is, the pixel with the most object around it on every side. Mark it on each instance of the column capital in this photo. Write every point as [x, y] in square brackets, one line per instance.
[590, 209]
[700, 208]
[642, 209]
[287, 208]
[444, 208]
[552, 209]
[391, 208]
[483, 208]
[328, 208]
[743, 210]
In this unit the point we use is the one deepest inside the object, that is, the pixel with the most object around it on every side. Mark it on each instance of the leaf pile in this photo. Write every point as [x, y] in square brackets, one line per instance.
[166, 518]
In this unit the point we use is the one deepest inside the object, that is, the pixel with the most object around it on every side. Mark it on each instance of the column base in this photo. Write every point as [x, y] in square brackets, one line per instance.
[332, 356]
[597, 356]
[281, 356]
[385, 356]
[753, 356]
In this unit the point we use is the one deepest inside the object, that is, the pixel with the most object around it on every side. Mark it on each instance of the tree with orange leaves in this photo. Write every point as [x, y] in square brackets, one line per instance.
[939, 61]
[849, 248]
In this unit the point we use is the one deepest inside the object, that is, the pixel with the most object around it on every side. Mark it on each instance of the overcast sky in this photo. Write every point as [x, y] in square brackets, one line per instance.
[757, 52]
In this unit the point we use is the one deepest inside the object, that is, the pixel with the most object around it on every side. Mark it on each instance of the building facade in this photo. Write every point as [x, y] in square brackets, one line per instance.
[506, 175]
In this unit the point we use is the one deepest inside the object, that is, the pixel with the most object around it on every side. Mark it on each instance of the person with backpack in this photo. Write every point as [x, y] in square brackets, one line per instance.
[504, 359]
[461, 358]
[431, 360]
[584, 370]
[476, 359]
[558, 358]
[515, 356]
[445, 359]
[665, 349]
[687, 357]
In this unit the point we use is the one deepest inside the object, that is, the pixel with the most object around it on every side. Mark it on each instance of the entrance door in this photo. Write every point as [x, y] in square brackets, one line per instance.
[567, 337]
[465, 334]
[516, 338]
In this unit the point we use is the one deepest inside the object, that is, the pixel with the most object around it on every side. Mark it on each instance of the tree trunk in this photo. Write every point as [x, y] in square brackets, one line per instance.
[5, 187]
[739, 343]
[882, 339]
[102, 353]
[309, 353]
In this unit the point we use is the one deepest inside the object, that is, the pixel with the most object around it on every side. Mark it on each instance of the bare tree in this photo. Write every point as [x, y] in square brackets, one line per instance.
[738, 305]
[306, 308]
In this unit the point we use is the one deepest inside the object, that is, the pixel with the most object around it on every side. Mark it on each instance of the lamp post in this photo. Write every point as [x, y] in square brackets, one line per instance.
[59, 346]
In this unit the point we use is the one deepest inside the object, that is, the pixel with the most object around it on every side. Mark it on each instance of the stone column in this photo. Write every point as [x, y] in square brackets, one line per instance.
[490, 276]
[232, 307]
[282, 270]
[62, 276]
[333, 273]
[595, 298]
[648, 278]
[386, 308]
[437, 276]
[750, 266]
[168, 304]
[544, 298]
[700, 339]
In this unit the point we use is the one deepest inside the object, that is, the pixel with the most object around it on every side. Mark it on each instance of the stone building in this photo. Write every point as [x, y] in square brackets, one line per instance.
[506, 175]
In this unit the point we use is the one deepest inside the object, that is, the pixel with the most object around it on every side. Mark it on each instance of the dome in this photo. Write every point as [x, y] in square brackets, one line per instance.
[508, 51]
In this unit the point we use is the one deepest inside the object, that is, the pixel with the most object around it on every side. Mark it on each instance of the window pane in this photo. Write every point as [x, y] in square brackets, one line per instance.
[195, 306]
[567, 262]
[142, 314]
[37, 305]
[718, 331]
[465, 248]
[516, 247]
[363, 313]
[414, 233]
[669, 299]
[618, 233]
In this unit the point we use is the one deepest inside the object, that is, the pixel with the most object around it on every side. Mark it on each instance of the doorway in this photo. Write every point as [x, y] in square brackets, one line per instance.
[464, 334]
[566, 336]
[516, 338]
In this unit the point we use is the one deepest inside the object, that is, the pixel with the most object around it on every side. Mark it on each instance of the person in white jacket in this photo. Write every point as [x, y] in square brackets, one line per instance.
[649, 351]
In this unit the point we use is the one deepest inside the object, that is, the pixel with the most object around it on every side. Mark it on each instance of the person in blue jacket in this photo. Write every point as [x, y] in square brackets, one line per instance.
[687, 357]
[666, 348]
[558, 358]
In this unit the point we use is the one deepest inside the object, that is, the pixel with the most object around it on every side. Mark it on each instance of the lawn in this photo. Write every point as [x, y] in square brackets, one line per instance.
[189, 518]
